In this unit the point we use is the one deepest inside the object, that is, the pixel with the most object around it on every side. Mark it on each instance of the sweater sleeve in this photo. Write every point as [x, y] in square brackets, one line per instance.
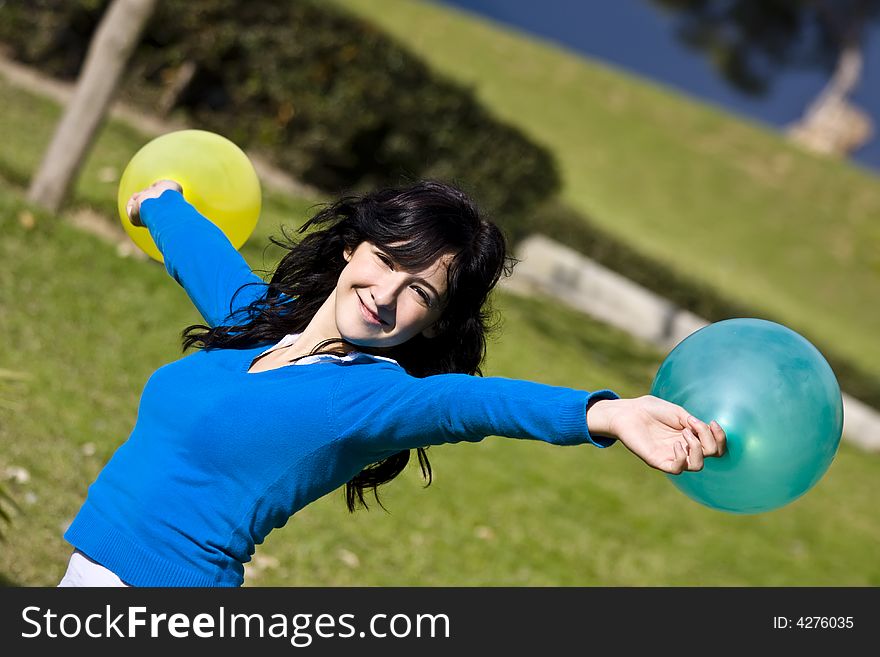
[200, 257]
[386, 410]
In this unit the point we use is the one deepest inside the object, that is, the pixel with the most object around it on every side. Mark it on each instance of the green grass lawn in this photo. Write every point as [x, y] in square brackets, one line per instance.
[84, 328]
[715, 197]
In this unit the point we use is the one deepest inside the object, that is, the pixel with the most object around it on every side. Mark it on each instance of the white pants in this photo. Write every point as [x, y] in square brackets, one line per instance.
[82, 571]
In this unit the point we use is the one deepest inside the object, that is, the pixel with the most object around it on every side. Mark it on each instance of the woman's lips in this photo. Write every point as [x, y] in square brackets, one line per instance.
[369, 315]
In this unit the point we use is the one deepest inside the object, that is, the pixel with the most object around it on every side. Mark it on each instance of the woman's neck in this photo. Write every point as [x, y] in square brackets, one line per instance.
[320, 329]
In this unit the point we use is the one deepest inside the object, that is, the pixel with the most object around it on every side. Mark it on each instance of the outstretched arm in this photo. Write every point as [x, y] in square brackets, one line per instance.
[197, 254]
[382, 410]
[387, 411]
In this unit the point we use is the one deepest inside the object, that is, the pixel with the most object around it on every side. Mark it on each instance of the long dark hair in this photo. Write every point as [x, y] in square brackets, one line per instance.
[414, 225]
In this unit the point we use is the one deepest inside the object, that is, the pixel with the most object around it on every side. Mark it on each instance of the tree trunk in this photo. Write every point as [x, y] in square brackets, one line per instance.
[831, 124]
[111, 47]
[844, 80]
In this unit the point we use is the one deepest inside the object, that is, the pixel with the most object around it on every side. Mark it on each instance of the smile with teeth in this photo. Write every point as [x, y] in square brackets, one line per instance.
[369, 315]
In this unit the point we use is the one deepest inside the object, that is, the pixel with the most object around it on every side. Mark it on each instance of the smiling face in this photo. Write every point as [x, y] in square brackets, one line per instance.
[379, 304]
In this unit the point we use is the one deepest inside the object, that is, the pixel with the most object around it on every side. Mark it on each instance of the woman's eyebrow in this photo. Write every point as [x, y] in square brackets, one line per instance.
[422, 281]
[418, 279]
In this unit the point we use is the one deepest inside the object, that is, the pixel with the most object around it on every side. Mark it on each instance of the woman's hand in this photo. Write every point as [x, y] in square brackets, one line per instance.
[662, 434]
[133, 207]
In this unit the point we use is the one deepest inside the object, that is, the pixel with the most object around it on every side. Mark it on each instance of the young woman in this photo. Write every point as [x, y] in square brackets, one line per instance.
[362, 346]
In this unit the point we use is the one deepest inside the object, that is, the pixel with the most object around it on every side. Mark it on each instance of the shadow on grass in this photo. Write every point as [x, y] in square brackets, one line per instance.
[564, 326]
[6, 582]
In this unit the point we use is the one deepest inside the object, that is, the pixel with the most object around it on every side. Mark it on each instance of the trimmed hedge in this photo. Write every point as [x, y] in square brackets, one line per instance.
[324, 95]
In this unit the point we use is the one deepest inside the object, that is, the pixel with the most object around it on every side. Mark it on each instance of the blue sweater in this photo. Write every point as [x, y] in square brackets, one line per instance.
[219, 457]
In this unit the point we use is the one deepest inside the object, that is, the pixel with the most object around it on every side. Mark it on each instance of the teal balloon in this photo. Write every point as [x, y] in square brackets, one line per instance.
[778, 401]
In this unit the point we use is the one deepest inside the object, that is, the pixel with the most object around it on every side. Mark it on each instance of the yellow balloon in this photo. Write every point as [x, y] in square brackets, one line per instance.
[217, 178]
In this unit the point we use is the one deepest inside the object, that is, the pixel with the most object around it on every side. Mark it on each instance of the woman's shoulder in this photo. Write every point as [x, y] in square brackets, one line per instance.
[376, 372]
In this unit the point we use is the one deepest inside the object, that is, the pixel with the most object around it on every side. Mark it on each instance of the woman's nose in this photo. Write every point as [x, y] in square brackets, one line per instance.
[385, 291]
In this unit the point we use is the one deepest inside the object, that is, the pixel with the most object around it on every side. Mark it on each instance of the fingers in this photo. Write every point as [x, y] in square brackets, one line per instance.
[704, 440]
[133, 207]
[686, 455]
[133, 210]
[694, 451]
[711, 437]
[679, 460]
[720, 437]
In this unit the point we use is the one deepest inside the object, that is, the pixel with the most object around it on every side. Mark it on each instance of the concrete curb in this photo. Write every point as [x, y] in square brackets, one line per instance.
[550, 268]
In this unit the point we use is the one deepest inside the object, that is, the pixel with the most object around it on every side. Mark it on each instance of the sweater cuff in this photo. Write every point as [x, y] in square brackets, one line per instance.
[572, 426]
[598, 441]
[155, 208]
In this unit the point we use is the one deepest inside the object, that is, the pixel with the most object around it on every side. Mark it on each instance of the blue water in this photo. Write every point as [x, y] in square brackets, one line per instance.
[636, 36]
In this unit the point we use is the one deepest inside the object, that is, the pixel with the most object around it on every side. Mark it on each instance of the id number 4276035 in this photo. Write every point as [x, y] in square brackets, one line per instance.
[813, 622]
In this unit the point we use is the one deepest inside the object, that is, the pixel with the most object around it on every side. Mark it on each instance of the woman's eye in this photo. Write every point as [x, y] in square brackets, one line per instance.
[385, 260]
[425, 296]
